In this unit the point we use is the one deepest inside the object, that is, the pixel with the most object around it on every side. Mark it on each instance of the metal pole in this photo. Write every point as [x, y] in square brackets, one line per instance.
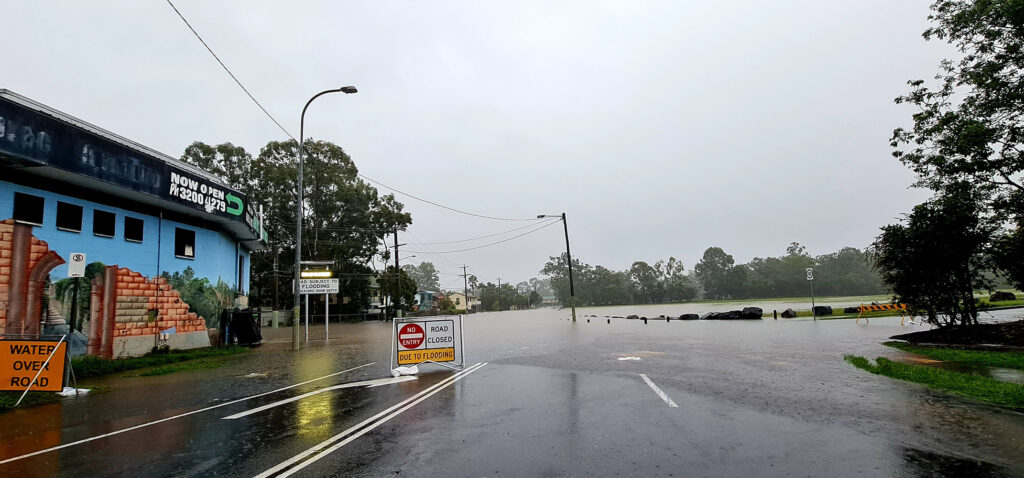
[74, 307]
[327, 315]
[307, 317]
[398, 286]
[813, 312]
[568, 256]
[298, 217]
[465, 288]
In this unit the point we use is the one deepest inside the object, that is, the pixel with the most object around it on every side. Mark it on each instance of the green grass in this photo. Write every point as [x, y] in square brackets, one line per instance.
[982, 388]
[93, 367]
[8, 399]
[976, 357]
[198, 364]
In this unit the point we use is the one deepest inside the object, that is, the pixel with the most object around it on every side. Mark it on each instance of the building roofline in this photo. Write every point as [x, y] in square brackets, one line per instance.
[106, 134]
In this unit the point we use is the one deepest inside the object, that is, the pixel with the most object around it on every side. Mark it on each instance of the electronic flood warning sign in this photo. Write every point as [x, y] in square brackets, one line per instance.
[427, 340]
[21, 361]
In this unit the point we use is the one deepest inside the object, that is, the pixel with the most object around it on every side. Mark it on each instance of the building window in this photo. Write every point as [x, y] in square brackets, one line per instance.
[133, 227]
[28, 209]
[103, 223]
[69, 217]
[184, 243]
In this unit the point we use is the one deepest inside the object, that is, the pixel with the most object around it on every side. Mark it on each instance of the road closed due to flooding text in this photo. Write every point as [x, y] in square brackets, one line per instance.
[432, 340]
[20, 360]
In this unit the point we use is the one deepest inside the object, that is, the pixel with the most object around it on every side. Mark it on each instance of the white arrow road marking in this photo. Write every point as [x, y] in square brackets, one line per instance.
[657, 390]
[366, 383]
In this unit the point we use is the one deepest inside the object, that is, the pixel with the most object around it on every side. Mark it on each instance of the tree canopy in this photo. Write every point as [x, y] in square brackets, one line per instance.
[345, 219]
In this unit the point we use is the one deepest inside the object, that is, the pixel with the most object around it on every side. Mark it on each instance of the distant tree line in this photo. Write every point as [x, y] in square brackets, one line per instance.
[845, 272]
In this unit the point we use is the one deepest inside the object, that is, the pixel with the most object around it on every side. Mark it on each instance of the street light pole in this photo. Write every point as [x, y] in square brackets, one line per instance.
[568, 257]
[296, 312]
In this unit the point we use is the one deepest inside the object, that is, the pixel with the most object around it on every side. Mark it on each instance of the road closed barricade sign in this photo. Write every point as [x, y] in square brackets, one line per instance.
[427, 340]
[21, 360]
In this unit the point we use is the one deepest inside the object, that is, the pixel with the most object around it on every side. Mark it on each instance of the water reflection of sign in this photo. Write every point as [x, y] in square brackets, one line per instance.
[76, 266]
[429, 340]
[20, 360]
[318, 286]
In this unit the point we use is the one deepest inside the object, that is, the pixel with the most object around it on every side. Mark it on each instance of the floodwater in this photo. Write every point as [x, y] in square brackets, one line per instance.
[753, 398]
[654, 310]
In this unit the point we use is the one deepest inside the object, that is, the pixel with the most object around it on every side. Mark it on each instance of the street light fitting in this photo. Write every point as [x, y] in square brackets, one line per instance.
[348, 89]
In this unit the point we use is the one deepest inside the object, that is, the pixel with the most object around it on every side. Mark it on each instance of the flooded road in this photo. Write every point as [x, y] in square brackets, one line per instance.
[550, 398]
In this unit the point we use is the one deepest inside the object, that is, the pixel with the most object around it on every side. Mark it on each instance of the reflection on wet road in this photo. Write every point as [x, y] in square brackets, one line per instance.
[762, 398]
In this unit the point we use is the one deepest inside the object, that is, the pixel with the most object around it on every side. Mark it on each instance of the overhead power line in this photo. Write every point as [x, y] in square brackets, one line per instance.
[475, 238]
[233, 77]
[285, 131]
[443, 206]
[531, 231]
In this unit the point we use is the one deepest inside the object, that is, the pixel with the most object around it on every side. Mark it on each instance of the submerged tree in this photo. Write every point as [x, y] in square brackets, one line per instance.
[935, 262]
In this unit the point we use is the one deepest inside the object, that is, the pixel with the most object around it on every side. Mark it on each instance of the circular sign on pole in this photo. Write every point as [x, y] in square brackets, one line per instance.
[76, 267]
[810, 273]
[411, 336]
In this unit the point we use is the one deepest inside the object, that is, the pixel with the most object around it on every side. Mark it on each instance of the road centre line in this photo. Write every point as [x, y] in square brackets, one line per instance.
[362, 427]
[136, 427]
[660, 393]
[365, 383]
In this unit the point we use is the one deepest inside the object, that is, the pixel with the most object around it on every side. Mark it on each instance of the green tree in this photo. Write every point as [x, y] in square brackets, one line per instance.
[936, 261]
[969, 124]
[535, 298]
[711, 271]
[425, 275]
[345, 219]
[399, 288]
[647, 282]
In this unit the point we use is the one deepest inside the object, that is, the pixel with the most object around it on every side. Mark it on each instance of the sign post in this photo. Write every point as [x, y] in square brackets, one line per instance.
[810, 278]
[427, 340]
[318, 286]
[76, 269]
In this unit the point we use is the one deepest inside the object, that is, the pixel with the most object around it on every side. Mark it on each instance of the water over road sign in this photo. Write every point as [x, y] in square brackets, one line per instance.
[21, 360]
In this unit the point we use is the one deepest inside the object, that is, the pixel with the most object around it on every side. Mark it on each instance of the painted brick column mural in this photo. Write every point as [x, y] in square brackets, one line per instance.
[25, 264]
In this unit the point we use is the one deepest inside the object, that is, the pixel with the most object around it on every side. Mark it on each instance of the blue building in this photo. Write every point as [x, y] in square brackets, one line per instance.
[137, 215]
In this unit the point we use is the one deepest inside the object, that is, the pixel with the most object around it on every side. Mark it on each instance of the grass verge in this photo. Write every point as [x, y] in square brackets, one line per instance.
[982, 388]
[977, 357]
[92, 367]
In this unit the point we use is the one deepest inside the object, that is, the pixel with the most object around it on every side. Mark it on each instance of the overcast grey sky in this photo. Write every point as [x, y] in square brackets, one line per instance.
[660, 128]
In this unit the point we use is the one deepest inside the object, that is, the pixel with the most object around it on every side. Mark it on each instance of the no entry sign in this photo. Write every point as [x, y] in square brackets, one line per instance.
[411, 336]
[426, 340]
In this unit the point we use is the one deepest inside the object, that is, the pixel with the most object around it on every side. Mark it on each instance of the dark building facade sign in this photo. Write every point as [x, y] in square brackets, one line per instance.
[36, 139]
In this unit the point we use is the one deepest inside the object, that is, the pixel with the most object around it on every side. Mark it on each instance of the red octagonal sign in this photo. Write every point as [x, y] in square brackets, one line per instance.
[411, 336]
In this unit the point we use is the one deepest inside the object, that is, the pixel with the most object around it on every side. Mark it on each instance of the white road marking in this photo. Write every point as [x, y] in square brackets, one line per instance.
[659, 392]
[365, 383]
[369, 424]
[136, 427]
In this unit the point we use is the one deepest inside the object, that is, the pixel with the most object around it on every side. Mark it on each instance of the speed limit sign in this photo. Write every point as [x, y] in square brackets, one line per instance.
[76, 266]
[810, 273]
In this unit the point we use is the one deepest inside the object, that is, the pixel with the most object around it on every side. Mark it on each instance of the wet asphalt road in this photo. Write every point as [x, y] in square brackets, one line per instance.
[762, 398]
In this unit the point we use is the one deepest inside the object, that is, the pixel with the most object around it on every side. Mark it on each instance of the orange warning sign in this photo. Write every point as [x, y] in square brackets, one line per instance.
[20, 360]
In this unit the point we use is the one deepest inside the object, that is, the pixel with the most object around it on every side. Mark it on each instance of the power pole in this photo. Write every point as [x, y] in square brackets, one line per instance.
[465, 287]
[499, 294]
[398, 274]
